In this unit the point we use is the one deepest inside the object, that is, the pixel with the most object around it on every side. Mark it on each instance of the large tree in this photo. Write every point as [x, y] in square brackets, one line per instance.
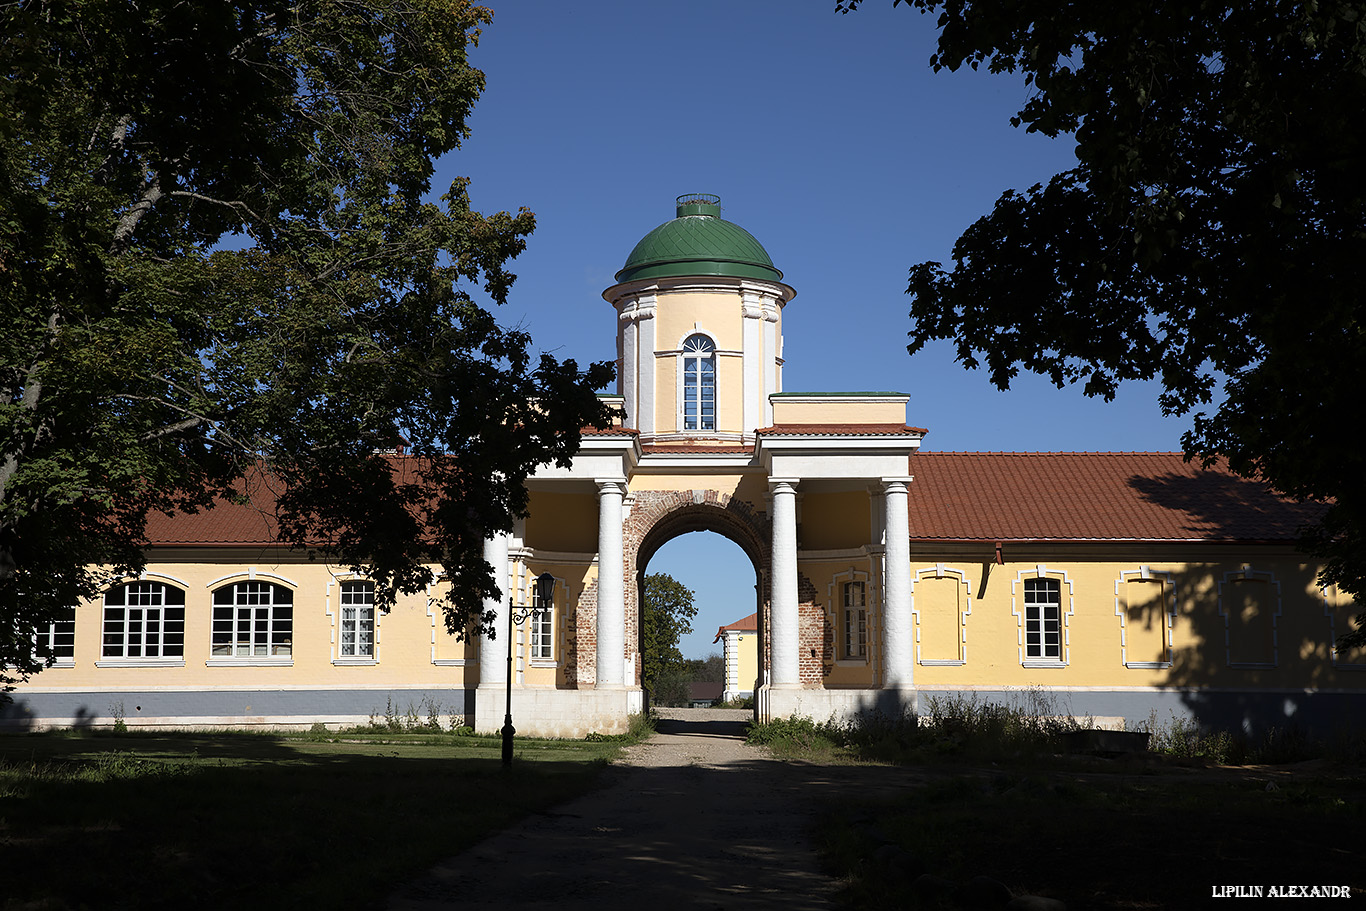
[223, 274]
[1213, 230]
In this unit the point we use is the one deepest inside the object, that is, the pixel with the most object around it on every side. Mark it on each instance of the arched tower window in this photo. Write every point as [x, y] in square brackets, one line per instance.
[699, 383]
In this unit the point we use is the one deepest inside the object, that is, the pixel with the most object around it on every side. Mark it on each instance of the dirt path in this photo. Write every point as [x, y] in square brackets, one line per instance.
[692, 818]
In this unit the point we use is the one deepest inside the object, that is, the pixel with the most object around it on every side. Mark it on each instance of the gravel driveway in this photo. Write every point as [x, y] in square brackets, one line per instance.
[691, 818]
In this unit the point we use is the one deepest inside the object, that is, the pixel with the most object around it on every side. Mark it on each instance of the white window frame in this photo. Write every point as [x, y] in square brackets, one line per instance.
[697, 348]
[357, 624]
[541, 629]
[252, 601]
[960, 577]
[157, 615]
[1020, 609]
[55, 637]
[1168, 604]
[1044, 629]
[854, 621]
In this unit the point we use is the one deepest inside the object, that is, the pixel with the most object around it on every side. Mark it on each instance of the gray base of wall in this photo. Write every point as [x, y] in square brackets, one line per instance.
[229, 708]
[1251, 712]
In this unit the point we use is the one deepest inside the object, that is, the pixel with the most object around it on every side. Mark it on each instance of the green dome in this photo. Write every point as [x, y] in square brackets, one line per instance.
[698, 242]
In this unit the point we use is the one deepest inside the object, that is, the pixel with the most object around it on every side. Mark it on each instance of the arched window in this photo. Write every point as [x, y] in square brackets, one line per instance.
[253, 620]
[699, 383]
[144, 620]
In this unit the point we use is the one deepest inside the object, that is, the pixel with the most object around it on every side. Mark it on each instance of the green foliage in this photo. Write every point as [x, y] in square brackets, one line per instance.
[665, 616]
[1212, 228]
[640, 727]
[223, 272]
[711, 669]
[423, 717]
[794, 737]
[670, 688]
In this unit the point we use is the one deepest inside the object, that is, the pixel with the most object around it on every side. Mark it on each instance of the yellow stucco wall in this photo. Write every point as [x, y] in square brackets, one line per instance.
[1208, 623]
[681, 313]
[830, 521]
[407, 639]
[565, 522]
[1211, 623]
[821, 410]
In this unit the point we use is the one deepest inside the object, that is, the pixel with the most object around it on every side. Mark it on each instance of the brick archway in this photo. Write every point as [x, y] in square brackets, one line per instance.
[658, 517]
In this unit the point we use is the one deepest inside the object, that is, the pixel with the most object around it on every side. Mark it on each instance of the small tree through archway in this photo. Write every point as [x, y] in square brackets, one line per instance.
[666, 615]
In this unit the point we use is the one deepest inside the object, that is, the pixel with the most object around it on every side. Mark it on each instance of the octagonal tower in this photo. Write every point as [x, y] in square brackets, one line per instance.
[699, 330]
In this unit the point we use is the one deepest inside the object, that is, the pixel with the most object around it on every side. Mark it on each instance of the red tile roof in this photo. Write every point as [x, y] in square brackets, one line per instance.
[1092, 496]
[840, 430]
[748, 624]
[693, 449]
[228, 523]
[967, 496]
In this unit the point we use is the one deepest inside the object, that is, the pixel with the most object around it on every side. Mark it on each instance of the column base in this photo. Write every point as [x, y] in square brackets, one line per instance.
[821, 705]
[562, 714]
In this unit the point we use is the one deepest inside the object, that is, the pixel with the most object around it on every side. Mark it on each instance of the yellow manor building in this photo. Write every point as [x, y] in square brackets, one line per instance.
[1123, 586]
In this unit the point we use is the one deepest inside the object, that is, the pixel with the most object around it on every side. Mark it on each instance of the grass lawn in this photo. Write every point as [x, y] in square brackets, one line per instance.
[1001, 798]
[215, 820]
[1103, 840]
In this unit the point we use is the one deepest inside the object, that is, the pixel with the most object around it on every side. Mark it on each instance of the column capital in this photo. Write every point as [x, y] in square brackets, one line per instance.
[611, 485]
[783, 485]
[893, 485]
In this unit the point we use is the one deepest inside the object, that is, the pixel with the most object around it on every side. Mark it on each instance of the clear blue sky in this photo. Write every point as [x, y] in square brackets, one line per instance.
[831, 140]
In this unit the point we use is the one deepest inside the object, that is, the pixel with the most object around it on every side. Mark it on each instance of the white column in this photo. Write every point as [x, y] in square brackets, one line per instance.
[611, 671]
[783, 619]
[898, 669]
[493, 653]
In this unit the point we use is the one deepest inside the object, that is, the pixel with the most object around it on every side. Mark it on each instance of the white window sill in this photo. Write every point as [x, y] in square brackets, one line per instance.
[1148, 665]
[541, 662]
[355, 662]
[140, 662]
[943, 662]
[1043, 663]
[249, 662]
[449, 662]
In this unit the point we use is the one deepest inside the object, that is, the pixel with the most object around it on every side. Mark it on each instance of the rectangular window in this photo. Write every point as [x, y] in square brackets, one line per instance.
[253, 620]
[542, 631]
[357, 620]
[144, 620]
[855, 620]
[57, 640]
[1043, 619]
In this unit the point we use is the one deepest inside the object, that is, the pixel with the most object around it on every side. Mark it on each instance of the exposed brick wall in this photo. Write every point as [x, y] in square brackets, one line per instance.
[581, 667]
[815, 636]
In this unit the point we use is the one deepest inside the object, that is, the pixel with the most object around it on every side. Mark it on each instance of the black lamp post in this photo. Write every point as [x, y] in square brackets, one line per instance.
[543, 601]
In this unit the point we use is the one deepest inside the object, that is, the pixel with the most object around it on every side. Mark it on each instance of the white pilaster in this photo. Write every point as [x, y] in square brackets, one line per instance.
[783, 618]
[752, 315]
[493, 652]
[630, 368]
[898, 629]
[611, 668]
[771, 358]
[646, 364]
